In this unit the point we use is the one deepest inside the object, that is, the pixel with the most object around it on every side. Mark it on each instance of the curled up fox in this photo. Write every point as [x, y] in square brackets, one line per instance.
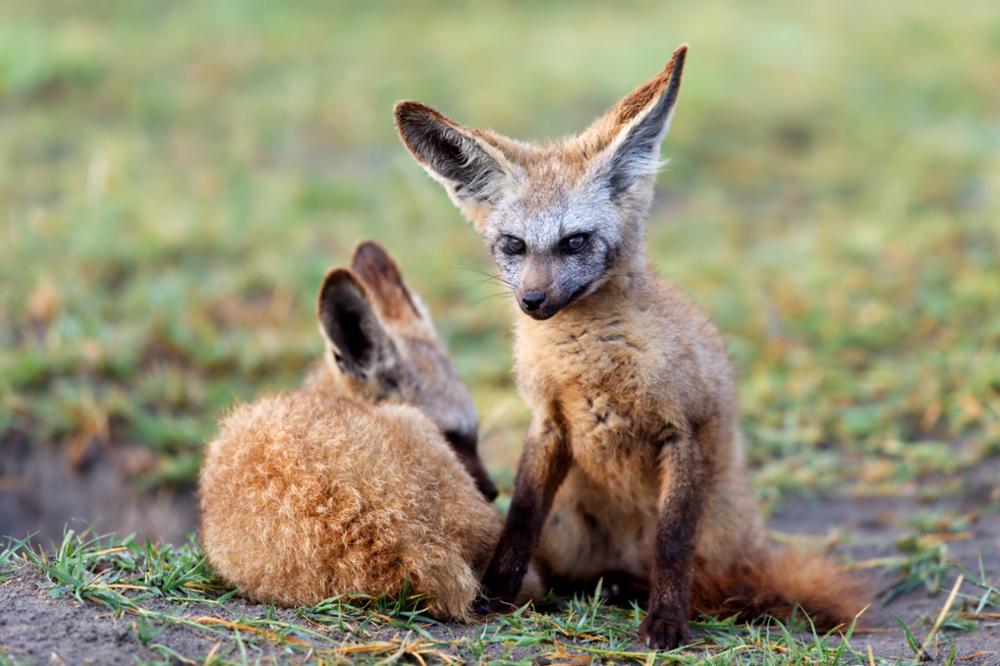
[366, 480]
[633, 467]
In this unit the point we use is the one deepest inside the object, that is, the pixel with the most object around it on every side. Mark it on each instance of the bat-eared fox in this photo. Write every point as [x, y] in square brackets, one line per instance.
[633, 467]
[365, 481]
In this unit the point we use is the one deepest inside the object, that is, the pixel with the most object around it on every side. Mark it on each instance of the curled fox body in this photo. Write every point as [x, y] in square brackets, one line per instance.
[633, 467]
[367, 479]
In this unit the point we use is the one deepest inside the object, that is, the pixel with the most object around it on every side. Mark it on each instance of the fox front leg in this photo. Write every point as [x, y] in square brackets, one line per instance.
[683, 469]
[543, 466]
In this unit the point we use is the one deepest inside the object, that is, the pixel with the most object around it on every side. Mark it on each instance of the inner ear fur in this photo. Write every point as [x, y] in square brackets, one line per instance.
[469, 167]
[372, 263]
[630, 133]
[350, 324]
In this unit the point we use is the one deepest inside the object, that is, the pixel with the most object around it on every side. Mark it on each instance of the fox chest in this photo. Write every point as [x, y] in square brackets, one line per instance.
[604, 514]
[617, 444]
[614, 394]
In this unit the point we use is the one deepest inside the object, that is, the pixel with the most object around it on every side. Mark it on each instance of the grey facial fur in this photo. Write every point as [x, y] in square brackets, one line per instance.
[432, 385]
[546, 266]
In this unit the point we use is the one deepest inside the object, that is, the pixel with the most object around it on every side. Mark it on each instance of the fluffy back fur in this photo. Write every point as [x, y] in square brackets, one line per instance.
[348, 486]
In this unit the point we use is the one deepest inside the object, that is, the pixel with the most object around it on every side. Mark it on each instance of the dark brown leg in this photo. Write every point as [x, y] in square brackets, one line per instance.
[684, 478]
[541, 470]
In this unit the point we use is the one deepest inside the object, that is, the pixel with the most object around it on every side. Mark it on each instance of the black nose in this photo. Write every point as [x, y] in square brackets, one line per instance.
[533, 300]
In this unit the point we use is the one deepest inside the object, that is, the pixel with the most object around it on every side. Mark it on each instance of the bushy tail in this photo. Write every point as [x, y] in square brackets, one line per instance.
[777, 583]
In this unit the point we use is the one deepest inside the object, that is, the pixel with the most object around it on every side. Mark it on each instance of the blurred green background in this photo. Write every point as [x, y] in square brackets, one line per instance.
[175, 178]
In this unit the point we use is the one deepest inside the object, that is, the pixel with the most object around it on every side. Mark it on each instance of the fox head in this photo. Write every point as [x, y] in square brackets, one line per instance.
[560, 218]
[382, 344]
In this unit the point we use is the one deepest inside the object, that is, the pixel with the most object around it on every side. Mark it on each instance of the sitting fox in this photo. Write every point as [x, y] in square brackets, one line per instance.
[367, 479]
[633, 467]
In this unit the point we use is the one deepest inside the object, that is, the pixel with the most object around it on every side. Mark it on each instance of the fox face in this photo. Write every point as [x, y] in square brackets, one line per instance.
[556, 252]
[382, 344]
[561, 218]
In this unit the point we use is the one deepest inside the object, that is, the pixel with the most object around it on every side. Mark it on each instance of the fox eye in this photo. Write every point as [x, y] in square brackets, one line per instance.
[512, 245]
[574, 243]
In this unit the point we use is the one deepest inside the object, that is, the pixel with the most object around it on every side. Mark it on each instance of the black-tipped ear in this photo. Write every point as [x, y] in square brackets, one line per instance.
[350, 324]
[643, 118]
[381, 275]
[469, 169]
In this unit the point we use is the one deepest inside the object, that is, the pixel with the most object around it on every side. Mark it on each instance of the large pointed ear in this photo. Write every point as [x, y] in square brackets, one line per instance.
[380, 274]
[358, 341]
[472, 170]
[632, 131]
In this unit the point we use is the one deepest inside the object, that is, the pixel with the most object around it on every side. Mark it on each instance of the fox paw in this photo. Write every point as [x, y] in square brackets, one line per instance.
[664, 631]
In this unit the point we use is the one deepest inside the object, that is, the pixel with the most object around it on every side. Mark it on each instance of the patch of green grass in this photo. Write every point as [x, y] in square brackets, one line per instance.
[9, 556]
[925, 563]
[921, 566]
[7, 660]
[156, 587]
[177, 178]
